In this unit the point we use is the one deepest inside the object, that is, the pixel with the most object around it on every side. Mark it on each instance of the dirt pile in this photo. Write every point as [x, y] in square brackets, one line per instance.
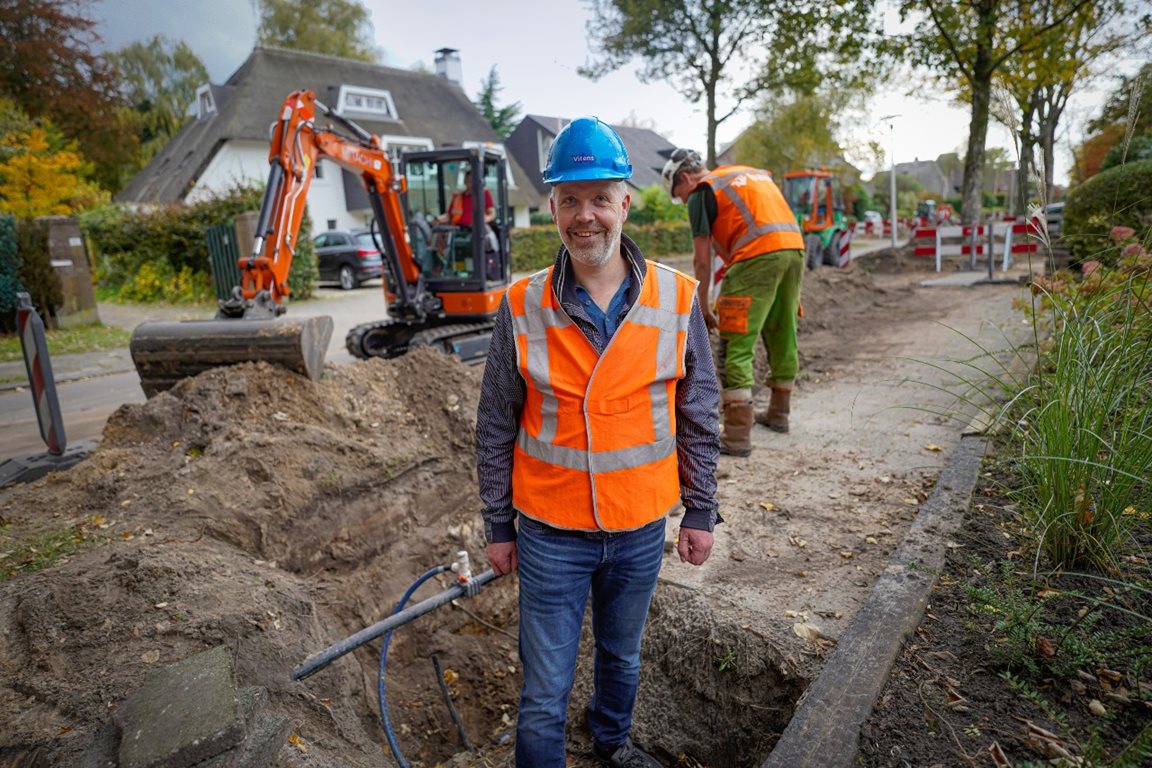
[258, 509]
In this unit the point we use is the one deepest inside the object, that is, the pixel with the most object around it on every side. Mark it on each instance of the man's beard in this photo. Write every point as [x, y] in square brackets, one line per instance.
[595, 251]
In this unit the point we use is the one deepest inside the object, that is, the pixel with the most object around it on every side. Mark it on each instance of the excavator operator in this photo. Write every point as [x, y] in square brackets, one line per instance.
[455, 224]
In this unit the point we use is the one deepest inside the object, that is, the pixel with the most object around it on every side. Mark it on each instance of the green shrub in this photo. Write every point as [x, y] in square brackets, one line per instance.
[36, 270]
[1119, 196]
[652, 204]
[1138, 150]
[534, 248]
[162, 253]
[10, 284]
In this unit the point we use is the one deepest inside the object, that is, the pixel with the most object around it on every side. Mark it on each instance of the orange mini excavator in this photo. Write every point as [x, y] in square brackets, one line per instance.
[443, 281]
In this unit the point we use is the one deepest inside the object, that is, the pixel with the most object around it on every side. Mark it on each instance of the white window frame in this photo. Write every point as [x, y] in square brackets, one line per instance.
[205, 102]
[388, 113]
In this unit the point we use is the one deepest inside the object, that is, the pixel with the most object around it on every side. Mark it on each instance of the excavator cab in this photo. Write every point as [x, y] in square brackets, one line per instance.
[457, 243]
[456, 204]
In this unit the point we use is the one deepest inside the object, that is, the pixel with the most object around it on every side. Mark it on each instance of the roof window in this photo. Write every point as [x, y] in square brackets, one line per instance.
[366, 102]
[205, 103]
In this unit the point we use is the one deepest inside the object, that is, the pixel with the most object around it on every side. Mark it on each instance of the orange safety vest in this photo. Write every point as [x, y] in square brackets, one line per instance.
[597, 443]
[456, 209]
[752, 217]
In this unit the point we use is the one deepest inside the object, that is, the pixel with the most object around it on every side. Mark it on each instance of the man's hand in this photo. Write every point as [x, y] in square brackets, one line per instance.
[502, 557]
[694, 547]
[709, 318]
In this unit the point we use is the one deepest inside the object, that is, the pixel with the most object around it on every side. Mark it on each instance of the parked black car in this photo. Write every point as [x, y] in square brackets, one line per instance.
[347, 258]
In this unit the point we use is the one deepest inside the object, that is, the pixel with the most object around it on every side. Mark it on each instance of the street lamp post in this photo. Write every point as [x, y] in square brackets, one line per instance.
[892, 175]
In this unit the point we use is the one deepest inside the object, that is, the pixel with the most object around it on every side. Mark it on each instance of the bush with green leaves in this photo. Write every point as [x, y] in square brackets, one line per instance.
[652, 204]
[1120, 196]
[534, 248]
[10, 284]
[36, 271]
[1137, 150]
[162, 253]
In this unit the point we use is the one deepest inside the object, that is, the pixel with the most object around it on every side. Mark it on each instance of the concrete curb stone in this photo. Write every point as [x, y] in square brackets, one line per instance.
[825, 728]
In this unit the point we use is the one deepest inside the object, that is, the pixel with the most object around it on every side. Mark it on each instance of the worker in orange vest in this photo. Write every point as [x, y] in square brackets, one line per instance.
[739, 212]
[598, 416]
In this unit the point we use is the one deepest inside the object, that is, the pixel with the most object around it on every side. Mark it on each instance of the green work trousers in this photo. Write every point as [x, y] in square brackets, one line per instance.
[760, 297]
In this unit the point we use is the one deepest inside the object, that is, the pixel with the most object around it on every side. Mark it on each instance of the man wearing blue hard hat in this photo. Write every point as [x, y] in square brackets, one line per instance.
[598, 416]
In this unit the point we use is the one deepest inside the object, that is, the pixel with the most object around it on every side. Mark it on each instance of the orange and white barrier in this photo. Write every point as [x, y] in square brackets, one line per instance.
[1017, 237]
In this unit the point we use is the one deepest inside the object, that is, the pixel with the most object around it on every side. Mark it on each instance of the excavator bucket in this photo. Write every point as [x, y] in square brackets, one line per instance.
[166, 352]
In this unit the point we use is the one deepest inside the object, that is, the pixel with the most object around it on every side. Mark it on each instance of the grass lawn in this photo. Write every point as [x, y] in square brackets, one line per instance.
[90, 338]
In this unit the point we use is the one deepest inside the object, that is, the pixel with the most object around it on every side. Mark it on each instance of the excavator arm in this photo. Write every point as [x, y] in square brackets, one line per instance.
[297, 145]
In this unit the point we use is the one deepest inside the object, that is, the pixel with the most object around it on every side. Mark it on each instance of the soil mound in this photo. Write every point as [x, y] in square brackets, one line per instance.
[256, 508]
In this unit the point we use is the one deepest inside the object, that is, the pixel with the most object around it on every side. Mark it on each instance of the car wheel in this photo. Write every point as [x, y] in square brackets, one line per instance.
[813, 251]
[348, 279]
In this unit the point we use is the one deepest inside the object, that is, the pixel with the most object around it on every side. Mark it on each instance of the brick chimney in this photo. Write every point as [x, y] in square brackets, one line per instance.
[448, 66]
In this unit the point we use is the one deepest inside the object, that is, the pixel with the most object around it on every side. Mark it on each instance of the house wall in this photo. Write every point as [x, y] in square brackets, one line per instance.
[240, 161]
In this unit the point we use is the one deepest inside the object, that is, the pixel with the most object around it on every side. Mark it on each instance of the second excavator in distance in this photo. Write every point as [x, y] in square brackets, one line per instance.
[445, 271]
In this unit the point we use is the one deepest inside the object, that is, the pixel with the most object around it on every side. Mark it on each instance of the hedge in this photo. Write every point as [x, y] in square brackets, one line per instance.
[161, 254]
[534, 248]
[10, 284]
[1116, 197]
[36, 271]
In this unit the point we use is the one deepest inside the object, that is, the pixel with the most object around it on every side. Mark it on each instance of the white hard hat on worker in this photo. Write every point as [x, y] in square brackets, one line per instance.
[686, 160]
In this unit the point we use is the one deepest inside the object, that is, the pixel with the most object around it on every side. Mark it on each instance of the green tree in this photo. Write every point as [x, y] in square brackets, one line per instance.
[968, 44]
[706, 49]
[1124, 127]
[50, 71]
[502, 119]
[908, 189]
[1046, 75]
[158, 78]
[335, 27]
[793, 134]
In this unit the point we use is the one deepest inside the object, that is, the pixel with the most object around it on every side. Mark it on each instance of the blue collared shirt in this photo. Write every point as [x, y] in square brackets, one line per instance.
[606, 320]
[503, 393]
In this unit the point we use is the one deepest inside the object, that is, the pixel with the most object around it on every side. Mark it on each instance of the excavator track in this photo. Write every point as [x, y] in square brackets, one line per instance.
[388, 339]
[468, 341]
[382, 338]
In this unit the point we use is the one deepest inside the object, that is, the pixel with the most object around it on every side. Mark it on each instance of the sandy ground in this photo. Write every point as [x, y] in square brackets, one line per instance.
[277, 515]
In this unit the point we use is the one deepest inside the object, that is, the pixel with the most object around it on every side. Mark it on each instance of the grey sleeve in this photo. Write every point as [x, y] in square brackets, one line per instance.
[502, 395]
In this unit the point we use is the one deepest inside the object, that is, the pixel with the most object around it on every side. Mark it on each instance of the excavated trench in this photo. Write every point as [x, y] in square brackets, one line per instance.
[256, 509]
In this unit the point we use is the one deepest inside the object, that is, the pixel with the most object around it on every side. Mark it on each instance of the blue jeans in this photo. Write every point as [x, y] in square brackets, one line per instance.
[558, 570]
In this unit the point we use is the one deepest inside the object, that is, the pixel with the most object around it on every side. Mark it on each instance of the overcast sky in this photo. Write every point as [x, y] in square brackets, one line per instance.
[536, 48]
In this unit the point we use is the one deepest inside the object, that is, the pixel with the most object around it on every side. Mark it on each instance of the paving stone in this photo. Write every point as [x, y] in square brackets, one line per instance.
[102, 752]
[265, 734]
[184, 714]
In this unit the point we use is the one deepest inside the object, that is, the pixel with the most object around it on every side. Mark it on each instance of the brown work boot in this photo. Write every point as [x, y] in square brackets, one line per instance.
[738, 417]
[776, 417]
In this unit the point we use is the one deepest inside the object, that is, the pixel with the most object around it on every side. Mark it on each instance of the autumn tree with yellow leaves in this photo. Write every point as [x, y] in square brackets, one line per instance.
[41, 172]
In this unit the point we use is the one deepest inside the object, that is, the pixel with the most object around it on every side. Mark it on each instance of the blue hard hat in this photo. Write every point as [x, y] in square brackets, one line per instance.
[586, 149]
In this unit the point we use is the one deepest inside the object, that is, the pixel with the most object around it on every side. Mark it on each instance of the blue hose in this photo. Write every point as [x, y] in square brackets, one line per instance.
[385, 719]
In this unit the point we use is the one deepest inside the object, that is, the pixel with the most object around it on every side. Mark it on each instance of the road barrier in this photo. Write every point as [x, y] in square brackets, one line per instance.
[39, 367]
[973, 241]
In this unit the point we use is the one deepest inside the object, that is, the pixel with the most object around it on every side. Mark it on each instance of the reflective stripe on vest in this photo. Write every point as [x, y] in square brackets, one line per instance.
[752, 216]
[597, 441]
[456, 209]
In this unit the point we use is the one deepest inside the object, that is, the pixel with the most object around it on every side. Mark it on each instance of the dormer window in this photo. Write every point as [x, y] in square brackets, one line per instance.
[205, 104]
[369, 103]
